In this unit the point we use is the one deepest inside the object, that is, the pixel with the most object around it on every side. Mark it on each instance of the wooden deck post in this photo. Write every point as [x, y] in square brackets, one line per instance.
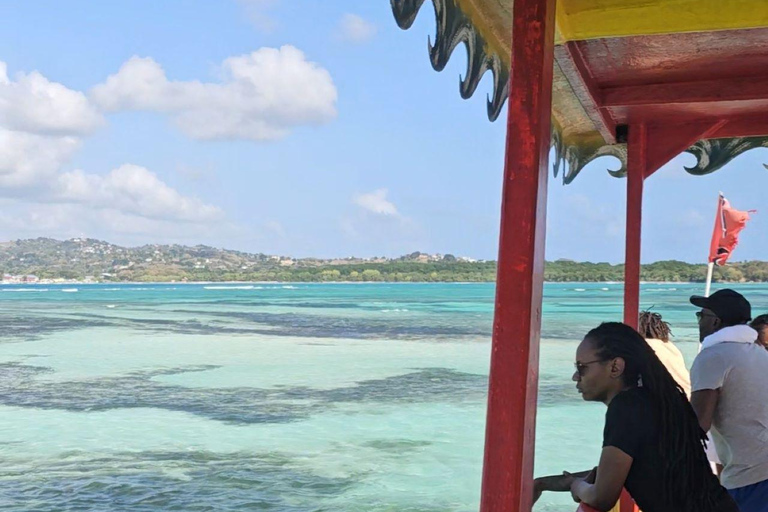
[511, 417]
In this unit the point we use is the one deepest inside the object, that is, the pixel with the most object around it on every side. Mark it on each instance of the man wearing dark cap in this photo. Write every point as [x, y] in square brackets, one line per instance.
[729, 379]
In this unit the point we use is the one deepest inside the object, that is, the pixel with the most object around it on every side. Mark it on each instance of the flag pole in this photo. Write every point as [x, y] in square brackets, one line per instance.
[711, 262]
[710, 268]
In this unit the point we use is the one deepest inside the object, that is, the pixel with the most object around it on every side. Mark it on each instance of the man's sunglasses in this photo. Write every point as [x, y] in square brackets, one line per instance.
[701, 314]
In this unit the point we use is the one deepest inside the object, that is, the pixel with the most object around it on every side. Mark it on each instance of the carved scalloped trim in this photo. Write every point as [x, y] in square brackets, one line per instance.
[454, 27]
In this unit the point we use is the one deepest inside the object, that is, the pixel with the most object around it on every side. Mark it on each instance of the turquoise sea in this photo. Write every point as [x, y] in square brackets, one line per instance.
[295, 397]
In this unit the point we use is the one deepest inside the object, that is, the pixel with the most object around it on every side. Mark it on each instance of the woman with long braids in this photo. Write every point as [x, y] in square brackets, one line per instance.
[652, 443]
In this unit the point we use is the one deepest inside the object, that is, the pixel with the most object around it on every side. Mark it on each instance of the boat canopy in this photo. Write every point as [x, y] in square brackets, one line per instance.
[620, 62]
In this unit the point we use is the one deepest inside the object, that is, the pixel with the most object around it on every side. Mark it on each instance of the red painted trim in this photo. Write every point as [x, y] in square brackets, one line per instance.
[704, 91]
[743, 126]
[511, 419]
[575, 69]
[666, 141]
[636, 167]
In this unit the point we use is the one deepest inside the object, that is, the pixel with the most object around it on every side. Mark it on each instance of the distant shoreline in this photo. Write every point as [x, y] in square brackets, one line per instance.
[80, 261]
[246, 283]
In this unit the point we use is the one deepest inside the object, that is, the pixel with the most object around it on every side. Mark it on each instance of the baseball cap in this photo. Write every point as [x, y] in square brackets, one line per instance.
[729, 305]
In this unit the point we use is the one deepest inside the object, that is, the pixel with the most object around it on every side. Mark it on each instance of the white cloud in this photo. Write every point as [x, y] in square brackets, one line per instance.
[262, 96]
[257, 12]
[376, 202]
[67, 220]
[355, 29]
[34, 104]
[28, 160]
[41, 124]
[133, 190]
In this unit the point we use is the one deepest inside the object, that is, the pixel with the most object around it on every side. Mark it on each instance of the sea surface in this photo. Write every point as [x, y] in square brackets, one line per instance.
[289, 397]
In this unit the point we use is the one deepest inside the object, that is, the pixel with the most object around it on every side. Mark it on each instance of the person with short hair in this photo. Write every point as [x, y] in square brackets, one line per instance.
[658, 334]
[760, 324]
[652, 443]
[729, 378]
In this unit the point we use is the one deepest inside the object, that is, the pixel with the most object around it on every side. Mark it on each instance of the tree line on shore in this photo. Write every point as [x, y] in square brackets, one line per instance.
[442, 271]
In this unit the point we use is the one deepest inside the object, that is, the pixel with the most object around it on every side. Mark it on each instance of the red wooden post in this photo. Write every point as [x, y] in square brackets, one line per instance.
[636, 169]
[511, 419]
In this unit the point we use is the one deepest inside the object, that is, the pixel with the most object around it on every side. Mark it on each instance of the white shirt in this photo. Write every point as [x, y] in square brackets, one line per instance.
[731, 362]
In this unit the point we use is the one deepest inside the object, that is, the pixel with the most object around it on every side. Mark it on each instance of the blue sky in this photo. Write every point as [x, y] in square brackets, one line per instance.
[309, 128]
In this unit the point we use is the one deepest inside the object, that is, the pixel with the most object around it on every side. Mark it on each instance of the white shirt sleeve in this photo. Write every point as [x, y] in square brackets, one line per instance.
[708, 371]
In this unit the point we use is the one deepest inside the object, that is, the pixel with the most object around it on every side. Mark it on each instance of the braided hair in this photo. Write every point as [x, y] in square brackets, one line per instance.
[652, 326]
[681, 440]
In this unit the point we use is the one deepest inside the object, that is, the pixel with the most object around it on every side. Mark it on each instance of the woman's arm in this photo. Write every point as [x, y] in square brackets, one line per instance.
[556, 483]
[611, 475]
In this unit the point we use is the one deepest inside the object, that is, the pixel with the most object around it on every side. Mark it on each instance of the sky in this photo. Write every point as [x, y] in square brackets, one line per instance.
[301, 127]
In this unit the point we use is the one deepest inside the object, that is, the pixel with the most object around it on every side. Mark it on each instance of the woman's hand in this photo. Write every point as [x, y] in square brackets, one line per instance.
[556, 483]
[611, 475]
[573, 484]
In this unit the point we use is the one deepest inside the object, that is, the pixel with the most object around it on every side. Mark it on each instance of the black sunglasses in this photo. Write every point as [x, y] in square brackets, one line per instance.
[701, 314]
[581, 368]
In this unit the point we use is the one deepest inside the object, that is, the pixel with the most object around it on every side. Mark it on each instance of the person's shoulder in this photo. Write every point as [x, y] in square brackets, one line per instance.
[729, 351]
[707, 359]
[719, 351]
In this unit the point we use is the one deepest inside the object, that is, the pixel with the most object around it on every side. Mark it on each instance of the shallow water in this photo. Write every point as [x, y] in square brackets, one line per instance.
[303, 397]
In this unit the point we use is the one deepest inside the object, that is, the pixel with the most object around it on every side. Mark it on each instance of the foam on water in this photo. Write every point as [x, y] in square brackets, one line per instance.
[245, 287]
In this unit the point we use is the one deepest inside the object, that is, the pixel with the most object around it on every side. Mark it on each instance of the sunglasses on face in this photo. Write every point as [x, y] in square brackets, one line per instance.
[581, 368]
[700, 315]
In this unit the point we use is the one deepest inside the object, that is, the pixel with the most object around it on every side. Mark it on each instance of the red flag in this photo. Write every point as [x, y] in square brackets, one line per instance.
[728, 224]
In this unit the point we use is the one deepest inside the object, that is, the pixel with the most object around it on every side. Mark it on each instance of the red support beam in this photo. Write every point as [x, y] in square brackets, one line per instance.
[511, 417]
[665, 141]
[755, 125]
[701, 91]
[637, 151]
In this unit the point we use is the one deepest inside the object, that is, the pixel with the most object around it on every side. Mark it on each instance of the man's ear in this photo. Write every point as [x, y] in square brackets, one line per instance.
[617, 367]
